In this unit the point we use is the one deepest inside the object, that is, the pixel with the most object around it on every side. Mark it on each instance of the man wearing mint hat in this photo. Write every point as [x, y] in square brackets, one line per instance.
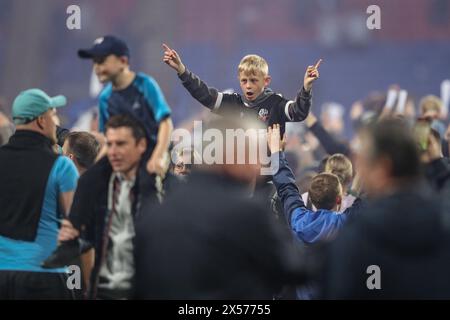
[36, 187]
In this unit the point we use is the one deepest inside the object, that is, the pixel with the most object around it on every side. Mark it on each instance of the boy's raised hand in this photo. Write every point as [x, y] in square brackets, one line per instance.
[311, 75]
[172, 58]
[276, 144]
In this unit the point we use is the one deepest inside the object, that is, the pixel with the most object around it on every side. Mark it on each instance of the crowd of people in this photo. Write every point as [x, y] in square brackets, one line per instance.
[147, 220]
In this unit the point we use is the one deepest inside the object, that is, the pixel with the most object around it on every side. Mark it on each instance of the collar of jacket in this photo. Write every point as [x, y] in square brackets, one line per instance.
[259, 99]
[28, 138]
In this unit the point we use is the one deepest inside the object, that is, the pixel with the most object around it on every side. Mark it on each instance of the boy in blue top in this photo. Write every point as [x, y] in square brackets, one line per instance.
[325, 193]
[135, 94]
[139, 96]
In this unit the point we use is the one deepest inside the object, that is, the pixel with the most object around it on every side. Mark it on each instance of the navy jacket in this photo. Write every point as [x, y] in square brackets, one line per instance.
[209, 241]
[405, 236]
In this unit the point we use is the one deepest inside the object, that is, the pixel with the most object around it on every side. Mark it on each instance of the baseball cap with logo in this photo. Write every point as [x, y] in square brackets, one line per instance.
[105, 46]
[32, 103]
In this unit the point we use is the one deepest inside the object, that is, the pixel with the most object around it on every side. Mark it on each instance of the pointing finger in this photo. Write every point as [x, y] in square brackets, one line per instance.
[166, 47]
[318, 64]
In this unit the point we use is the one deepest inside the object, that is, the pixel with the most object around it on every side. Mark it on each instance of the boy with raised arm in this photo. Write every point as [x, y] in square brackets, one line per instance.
[326, 195]
[257, 99]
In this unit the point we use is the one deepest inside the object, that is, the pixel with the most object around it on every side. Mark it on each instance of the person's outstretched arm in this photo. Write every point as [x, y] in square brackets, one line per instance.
[284, 182]
[156, 163]
[161, 115]
[283, 178]
[308, 225]
[298, 110]
[208, 96]
[329, 143]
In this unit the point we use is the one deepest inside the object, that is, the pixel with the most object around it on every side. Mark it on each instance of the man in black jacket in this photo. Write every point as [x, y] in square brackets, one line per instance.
[398, 248]
[106, 207]
[211, 241]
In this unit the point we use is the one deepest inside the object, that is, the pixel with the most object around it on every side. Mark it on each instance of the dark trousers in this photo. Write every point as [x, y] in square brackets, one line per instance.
[23, 285]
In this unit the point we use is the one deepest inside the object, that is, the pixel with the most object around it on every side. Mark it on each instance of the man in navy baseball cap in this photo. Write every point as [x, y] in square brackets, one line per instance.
[104, 47]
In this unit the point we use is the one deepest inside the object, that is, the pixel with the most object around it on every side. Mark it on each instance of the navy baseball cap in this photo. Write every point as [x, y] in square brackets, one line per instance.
[105, 46]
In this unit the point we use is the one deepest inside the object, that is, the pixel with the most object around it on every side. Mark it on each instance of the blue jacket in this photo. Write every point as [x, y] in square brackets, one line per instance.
[309, 226]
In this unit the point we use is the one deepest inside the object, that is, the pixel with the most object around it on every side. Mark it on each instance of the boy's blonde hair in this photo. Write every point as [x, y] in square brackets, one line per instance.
[429, 103]
[341, 166]
[253, 64]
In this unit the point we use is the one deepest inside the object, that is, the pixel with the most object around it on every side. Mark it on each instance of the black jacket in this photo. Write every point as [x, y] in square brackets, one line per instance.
[90, 209]
[208, 241]
[25, 165]
[404, 235]
[437, 173]
[268, 107]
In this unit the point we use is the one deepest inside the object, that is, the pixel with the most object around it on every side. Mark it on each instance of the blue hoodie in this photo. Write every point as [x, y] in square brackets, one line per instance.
[309, 226]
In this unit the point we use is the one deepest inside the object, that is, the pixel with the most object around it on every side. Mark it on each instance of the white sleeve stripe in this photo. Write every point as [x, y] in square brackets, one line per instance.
[218, 101]
[286, 109]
